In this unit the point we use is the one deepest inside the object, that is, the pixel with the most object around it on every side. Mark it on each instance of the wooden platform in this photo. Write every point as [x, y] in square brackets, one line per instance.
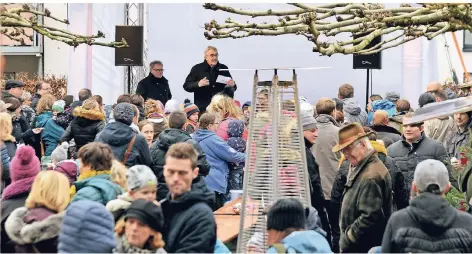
[227, 222]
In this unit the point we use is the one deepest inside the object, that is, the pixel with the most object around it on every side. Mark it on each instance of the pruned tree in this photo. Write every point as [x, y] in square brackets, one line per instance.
[322, 23]
[14, 25]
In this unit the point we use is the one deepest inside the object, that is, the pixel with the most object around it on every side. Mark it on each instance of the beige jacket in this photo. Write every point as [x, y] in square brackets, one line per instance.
[439, 129]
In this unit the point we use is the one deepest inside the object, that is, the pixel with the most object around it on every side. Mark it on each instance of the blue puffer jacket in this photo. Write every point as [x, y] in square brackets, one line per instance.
[218, 154]
[382, 105]
[87, 227]
[52, 132]
[99, 188]
[307, 241]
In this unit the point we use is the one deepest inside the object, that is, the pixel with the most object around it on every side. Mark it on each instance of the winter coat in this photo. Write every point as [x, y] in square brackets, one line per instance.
[20, 126]
[154, 88]
[190, 126]
[328, 161]
[87, 227]
[203, 95]
[6, 94]
[439, 129]
[52, 132]
[307, 241]
[75, 104]
[28, 113]
[118, 206]
[8, 206]
[396, 121]
[85, 127]
[34, 100]
[353, 112]
[387, 134]
[34, 230]
[385, 105]
[218, 154]
[407, 156]
[221, 248]
[190, 226]
[317, 198]
[118, 135]
[123, 246]
[98, 188]
[366, 206]
[458, 139]
[5, 157]
[142, 115]
[429, 224]
[223, 130]
[159, 149]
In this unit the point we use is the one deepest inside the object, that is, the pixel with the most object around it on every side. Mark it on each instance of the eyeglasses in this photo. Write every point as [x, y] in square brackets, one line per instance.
[214, 55]
[160, 70]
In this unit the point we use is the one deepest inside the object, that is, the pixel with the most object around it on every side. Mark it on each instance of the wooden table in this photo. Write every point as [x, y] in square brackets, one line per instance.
[227, 222]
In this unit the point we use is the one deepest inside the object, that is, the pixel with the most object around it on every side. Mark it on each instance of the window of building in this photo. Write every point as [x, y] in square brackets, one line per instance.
[467, 41]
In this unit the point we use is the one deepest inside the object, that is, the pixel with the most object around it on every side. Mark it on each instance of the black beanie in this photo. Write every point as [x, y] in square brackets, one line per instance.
[286, 213]
[147, 213]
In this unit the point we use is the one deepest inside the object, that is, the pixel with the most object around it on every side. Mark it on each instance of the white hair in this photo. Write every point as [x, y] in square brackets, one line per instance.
[210, 48]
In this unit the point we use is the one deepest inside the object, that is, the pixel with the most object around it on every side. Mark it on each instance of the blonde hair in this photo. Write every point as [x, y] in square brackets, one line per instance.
[89, 104]
[45, 103]
[5, 127]
[155, 239]
[118, 174]
[25, 96]
[226, 108]
[50, 189]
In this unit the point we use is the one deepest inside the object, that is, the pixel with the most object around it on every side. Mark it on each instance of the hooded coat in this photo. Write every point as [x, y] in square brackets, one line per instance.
[203, 95]
[439, 129]
[68, 168]
[308, 241]
[353, 112]
[396, 121]
[118, 206]
[52, 132]
[118, 135]
[190, 226]
[430, 224]
[382, 105]
[85, 127]
[154, 88]
[328, 161]
[218, 154]
[159, 149]
[98, 188]
[20, 126]
[34, 230]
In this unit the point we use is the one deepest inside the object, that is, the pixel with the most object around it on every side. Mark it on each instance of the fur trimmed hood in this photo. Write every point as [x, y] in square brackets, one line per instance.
[23, 233]
[88, 113]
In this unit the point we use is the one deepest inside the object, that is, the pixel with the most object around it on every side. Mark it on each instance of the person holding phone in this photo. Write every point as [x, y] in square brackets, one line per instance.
[206, 79]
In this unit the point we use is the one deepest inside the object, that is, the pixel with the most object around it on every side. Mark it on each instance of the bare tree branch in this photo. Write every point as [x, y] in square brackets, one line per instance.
[14, 24]
[321, 24]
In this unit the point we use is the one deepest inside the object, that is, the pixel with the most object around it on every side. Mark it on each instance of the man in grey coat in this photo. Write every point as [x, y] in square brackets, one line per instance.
[352, 110]
[327, 160]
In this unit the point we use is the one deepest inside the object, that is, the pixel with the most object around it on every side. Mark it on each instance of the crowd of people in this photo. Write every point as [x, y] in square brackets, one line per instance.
[145, 174]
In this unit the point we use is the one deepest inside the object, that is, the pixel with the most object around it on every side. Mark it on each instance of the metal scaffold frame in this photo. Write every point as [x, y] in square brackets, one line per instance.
[136, 15]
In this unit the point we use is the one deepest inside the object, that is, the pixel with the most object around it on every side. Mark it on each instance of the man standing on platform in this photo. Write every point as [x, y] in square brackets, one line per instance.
[155, 86]
[205, 79]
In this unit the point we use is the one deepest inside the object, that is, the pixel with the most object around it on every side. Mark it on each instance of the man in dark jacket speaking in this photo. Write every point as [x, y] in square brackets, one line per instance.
[205, 79]
[155, 85]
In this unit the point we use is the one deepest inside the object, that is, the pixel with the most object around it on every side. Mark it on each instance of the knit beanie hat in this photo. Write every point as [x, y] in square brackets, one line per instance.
[426, 98]
[58, 106]
[286, 213]
[140, 176]
[308, 121]
[190, 108]
[60, 153]
[124, 112]
[171, 106]
[392, 96]
[24, 164]
[147, 213]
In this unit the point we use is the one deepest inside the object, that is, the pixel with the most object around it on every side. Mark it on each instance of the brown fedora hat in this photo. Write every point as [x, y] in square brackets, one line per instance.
[349, 134]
